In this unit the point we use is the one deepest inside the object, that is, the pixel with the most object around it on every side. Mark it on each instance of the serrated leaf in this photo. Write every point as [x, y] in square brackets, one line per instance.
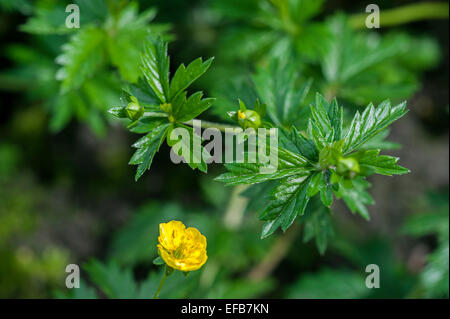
[328, 118]
[147, 148]
[125, 46]
[314, 185]
[144, 94]
[155, 67]
[81, 57]
[305, 146]
[147, 124]
[289, 164]
[112, 281]
[185, 109]
[326, 191]
[372, 121]
[371, 162]
[356, 197]
[318, 225]
[277, 88]
[185, 76]
[288, 200]
[195, 157]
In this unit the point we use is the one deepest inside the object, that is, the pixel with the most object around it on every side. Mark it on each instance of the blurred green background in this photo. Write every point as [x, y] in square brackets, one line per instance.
[67, 194]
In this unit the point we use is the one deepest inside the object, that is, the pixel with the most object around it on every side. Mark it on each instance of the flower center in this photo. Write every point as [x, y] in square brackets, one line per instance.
[178, 253]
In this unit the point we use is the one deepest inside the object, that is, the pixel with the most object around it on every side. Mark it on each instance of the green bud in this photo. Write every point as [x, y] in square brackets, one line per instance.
[133, 110]
[347, 167]
[248, 119]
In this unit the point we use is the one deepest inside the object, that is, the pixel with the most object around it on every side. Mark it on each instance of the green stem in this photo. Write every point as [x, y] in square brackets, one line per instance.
[405, 14]
[161, 283]
[207, 124]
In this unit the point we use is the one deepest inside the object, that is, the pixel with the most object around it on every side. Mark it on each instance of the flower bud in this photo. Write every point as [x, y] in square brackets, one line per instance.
[249, 118]
[347, 167]
[133, 110]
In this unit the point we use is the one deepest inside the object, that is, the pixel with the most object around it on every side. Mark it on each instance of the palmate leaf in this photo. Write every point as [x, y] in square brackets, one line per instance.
[168, 106]
[372, 120]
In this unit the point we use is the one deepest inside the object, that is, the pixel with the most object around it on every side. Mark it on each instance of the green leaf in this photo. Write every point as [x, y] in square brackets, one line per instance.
[318, 225]
[289, 164]
[155, 66]
[372, 121]
[81, 57]
[379, 142]
[185, 76]
[326, 191]
[158, 261]
[371, 162]
[356, 197]
[143, 93]
[314, 185]
[304, 146]
[426, 224]
[328, 118]
[125, 46]
[112, 281]
[347, 54]
[147, 147]
[288, 200]
[118, 111]
[195, 158]
[185, 109]
[277, 88]
[46, 21]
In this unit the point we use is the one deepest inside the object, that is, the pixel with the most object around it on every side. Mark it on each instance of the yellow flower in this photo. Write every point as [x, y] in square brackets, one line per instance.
[180, 247]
